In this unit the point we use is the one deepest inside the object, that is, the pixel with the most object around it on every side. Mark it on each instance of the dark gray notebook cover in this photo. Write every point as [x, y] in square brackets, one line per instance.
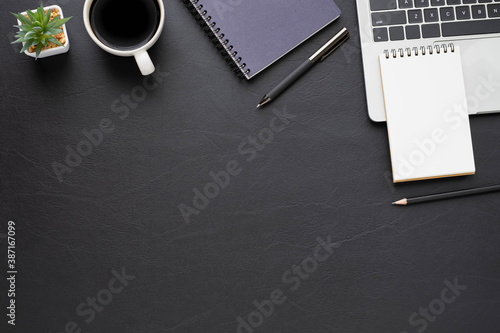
[262, 31]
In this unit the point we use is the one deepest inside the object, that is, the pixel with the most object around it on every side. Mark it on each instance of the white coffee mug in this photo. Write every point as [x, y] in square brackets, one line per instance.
[140, 54]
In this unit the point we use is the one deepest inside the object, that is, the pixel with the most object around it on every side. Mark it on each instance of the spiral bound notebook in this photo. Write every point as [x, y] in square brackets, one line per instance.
[253, 34]
[427, 114]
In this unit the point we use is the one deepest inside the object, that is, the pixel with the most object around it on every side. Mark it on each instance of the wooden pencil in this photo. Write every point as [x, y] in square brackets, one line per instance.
[447, 195]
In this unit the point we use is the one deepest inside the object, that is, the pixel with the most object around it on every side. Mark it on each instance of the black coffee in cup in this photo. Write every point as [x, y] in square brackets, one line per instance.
[125, 24]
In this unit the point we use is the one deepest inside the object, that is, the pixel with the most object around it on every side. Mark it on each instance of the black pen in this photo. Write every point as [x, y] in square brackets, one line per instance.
[319, 56]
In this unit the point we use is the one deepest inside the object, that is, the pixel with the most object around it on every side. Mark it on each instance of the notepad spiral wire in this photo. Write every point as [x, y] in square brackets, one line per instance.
[417, 51]
[218, 38]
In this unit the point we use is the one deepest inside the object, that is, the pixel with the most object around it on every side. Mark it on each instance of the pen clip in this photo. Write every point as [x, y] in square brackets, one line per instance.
[339, 42]
[330, 46]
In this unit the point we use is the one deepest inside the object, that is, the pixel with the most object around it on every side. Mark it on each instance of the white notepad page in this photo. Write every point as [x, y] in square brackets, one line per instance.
[427, 114]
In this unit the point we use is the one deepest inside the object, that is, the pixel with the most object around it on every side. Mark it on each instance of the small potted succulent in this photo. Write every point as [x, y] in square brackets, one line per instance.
[42, 32]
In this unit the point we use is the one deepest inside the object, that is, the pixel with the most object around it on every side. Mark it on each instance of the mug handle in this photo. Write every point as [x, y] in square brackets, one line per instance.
[144, 62]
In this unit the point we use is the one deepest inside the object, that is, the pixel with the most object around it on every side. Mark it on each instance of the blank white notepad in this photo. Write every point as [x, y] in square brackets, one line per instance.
[427, 114]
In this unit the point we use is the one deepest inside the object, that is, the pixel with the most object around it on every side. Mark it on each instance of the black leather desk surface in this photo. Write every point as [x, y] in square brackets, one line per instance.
[325, 174]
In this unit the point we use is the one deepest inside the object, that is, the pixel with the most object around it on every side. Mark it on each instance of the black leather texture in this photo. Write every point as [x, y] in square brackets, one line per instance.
[171, 204]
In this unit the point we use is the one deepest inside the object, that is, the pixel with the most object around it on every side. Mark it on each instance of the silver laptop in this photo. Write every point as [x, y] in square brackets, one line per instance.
[473, 25]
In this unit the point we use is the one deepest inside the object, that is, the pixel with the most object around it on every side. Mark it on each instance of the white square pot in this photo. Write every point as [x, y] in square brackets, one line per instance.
[56, 50]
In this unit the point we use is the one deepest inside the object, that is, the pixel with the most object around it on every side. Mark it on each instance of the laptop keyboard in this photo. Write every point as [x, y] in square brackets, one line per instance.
[414, 19]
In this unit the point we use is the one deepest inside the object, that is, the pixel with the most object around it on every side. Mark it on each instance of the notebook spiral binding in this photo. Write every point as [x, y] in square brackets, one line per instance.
[217, 37]
[416, 51]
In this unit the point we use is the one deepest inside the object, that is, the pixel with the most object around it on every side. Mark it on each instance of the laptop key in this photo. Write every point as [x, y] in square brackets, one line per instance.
[412, 32]
[382, 4]
[380, 35]
[431, 30]
[415, 16]
[405, 3]
[447, 14]
[396, 33]
[421, 3]
[436, 3]
[463, 12]
[475, 27]
[494, 10]
[485, 1]
[431, 15]
[467, 2]
[453, 2]
[396, 17]
[478, 11]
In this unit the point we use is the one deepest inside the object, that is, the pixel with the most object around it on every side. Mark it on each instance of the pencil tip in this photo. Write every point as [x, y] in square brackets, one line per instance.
[402, 202]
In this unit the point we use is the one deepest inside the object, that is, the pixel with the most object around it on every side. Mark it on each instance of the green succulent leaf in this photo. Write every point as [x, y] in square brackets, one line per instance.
[23, 19]
[55, 41]
[26, 46]
[23, 27]
[20, 40]
[31, 15]
[38, 50]
[53, 22]
[46, 18]
[30, 34]
[56, 23]
[40, 14]
[21, 34]
[53, 32]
